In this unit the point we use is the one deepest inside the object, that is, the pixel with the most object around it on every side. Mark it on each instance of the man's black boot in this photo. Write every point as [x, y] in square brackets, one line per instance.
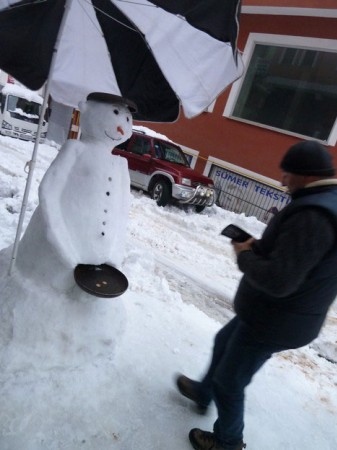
[204, 440]
[191, 389]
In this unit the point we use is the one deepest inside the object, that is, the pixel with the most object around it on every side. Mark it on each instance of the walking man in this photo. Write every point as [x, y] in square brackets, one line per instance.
[289, 282]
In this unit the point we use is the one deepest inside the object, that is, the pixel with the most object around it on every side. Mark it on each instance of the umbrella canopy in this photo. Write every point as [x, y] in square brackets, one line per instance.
[161, 54]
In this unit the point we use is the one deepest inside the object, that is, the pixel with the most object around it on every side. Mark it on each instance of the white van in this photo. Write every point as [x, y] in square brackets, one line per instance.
[20, 111]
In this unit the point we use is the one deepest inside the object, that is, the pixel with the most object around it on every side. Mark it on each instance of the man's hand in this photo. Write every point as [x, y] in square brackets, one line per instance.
[242, 246]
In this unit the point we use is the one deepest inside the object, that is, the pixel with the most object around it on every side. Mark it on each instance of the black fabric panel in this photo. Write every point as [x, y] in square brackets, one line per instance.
[218, 18]
[137, 72]
[28, 34]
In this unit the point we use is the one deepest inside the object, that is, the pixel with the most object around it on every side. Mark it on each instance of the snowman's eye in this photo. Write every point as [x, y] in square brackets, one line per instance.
[127, 119]
[116, 112]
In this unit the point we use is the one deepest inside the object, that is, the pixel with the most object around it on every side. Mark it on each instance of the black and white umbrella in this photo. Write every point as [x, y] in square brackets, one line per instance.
[161, 54]
[165, 55]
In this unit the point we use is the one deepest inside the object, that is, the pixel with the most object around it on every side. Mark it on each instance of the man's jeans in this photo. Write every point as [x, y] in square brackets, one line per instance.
[237, 356]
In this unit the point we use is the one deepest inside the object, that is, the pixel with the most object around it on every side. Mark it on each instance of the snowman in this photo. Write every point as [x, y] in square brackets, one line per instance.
[81, 221]
[84, 198]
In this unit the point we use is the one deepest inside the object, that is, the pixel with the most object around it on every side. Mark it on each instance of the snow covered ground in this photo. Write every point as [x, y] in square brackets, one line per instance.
[182, 277]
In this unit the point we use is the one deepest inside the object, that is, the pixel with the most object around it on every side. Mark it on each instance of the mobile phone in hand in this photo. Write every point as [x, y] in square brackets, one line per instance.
[235, 233]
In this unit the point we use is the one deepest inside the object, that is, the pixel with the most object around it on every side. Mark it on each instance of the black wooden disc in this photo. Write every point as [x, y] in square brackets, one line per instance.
[101, 281]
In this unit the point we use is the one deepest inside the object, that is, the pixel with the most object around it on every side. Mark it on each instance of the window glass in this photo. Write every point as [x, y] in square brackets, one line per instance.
[158, 150]
[290, 88]
[124, 145]
[171, 153]
[140, 145]
[23, 109]
[189, 158]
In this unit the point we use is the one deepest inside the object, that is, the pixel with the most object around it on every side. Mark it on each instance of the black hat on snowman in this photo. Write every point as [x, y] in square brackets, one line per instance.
[104, 97]
[308, 158]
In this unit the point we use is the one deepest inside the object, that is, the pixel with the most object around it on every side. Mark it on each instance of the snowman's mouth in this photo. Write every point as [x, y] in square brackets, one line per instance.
[110, 137]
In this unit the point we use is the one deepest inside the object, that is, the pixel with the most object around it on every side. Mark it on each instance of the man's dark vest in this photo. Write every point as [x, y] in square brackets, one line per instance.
[294, 320]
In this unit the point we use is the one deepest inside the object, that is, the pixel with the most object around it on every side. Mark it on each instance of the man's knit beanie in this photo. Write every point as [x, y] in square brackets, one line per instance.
[308, 158]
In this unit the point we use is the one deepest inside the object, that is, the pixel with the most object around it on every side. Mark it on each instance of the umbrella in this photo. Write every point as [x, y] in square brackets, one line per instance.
[164, 55]
[160, 54]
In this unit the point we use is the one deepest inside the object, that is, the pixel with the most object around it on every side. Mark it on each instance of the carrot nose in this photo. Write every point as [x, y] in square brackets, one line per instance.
[120, 129]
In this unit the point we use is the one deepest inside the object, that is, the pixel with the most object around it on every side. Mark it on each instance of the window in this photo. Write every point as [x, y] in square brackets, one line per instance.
[124, 145]
[171, 153]
[289, 85]
[140, 145]
[23, 109]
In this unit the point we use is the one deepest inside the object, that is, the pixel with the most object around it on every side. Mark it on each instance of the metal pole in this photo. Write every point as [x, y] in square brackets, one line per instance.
[36, 145]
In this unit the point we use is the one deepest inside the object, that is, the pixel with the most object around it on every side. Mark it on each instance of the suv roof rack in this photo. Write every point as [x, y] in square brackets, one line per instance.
[138, 131]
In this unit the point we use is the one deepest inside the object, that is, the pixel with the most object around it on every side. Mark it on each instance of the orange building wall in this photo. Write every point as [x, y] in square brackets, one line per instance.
[247, 146]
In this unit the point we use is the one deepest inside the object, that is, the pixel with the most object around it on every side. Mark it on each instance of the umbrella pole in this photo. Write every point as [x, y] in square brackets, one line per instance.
[32, 164]
[36, 145]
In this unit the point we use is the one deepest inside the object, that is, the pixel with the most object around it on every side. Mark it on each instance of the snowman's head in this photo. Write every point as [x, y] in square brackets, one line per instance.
[106, 117]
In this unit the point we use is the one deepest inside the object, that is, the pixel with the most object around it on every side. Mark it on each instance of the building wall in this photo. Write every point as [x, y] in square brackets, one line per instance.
[292, 3]
[256, 149]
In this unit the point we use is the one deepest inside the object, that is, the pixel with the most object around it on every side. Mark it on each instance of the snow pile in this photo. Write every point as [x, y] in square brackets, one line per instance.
[21, 91]
[182, 277]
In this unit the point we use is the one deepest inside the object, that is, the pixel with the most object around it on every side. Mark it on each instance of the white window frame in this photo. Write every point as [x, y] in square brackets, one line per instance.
[289, 42]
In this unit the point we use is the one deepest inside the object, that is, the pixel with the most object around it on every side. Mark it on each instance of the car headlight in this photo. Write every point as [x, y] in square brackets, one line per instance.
[186, 181]
[6, 125]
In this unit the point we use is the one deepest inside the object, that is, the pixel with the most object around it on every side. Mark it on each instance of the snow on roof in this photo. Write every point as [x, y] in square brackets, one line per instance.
[152, 133]
[23, 92]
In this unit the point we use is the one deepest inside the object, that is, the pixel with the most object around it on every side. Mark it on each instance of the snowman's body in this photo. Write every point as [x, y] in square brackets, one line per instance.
[84, 200]
[82, 216]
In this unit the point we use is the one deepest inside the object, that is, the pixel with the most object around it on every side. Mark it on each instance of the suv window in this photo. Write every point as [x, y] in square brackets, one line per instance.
[170, 153]
[124, 145]
[140, 146]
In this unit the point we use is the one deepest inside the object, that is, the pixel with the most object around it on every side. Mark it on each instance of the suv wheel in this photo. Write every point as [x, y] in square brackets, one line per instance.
[199, 208]
[161, 193]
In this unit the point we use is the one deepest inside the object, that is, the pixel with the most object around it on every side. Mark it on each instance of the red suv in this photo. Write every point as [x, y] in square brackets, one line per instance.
[161, 168]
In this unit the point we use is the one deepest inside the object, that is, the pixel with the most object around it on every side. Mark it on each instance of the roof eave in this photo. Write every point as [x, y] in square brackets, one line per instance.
[288, 11]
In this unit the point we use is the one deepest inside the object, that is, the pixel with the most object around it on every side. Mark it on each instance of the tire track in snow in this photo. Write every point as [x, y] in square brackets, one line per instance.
[201, 285]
